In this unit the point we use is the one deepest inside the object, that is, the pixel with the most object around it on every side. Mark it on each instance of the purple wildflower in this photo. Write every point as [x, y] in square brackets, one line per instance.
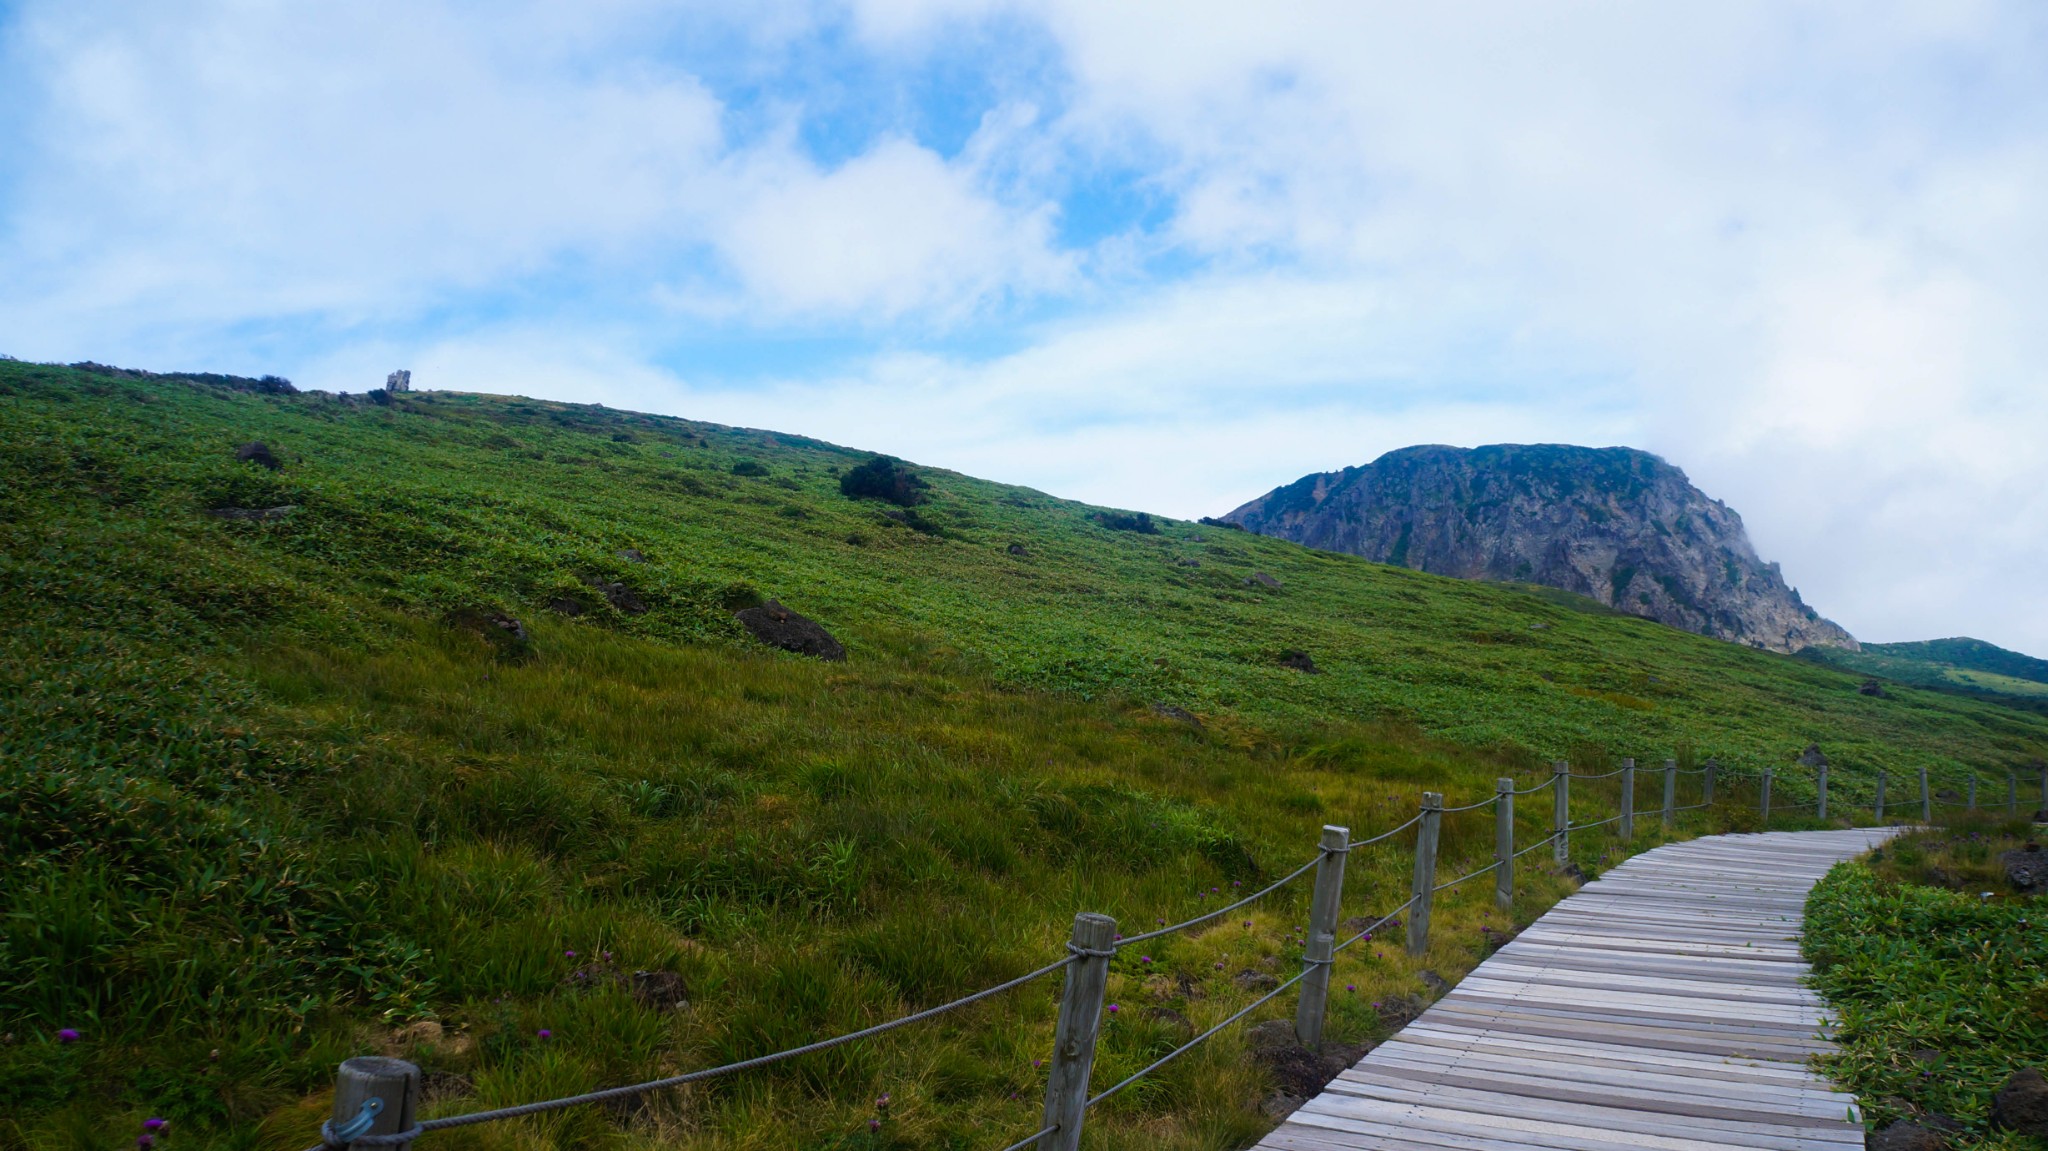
[544, 1033]
[67, 1035]
[874, 1124]
[1112, 1009]
[152, 1124]
[1144, 959]
[1351, 987]
[145, 1140]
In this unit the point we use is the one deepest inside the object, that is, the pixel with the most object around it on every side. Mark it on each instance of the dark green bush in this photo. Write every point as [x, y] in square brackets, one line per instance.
[884, 478]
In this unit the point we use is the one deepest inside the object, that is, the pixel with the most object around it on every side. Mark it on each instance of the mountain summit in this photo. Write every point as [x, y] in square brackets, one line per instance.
[1615, 524]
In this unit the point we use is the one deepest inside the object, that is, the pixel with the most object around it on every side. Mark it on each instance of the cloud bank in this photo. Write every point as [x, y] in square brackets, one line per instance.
[1149, 256]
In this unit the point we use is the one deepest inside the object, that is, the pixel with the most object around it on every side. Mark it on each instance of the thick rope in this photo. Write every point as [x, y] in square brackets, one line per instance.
[1028, 1140]
[1551, 782]
[1198, 1040]
[1382, 921]
[1544, 842]
[1388, 834]
[1489, 801]
[709, 1072]
[1469, 875]
[1602, 775]
[1283, 881]
[1602, 823]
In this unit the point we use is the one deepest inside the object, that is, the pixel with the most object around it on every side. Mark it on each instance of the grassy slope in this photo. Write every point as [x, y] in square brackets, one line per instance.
[1942, 993]
[258, 798]
[1966, 666]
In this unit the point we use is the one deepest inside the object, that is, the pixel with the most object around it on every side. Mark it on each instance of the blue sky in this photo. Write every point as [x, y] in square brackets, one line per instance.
[1153, 256]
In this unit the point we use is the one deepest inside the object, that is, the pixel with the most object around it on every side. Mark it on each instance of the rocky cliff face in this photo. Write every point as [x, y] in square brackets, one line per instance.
[1615, 524]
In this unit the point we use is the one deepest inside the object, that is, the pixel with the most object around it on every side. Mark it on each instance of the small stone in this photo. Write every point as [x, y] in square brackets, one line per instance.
[426, 1031]
[1812, 756]
[1872, 688]
[2026, 868]
[1178, 714]
[565, 605]
[258, 453]
[2022, 1104]
[1299, 661]
[1018, 550]
[1251, 980]
[1171, 1018]
[1261, 579]
[1437, 984]
[632, 556]
[619, 596]
[660, 990]
[1271, 1033]
[1280, 1105]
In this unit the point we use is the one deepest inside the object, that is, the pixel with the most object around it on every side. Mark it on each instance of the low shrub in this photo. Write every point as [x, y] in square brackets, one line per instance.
[884, 478]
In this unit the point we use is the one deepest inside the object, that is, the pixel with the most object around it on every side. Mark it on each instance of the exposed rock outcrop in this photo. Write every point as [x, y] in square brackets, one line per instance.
[1617, 525]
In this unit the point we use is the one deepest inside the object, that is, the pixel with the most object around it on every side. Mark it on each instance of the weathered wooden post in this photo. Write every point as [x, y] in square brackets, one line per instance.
[1504, 843]
[1322, 936]
[1878, 807]
[1973, 791]
[1561, 810]
[1765, 804]
[1820, 785]
[1073, 1038]
[1670, 791]
[1707, 781]
[374, 1095]
[1424, 889]
[1627, 825]
[1926, 799]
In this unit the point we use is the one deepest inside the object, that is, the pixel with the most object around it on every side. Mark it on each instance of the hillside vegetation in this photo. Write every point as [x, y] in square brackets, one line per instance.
[280, 785]
[1966, 666]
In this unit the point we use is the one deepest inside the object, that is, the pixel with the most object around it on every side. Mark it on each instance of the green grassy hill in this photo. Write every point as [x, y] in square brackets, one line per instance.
[1964, 666]
[275, 787]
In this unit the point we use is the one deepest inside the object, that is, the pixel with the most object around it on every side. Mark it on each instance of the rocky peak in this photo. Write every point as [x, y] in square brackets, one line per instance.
[1617, 525]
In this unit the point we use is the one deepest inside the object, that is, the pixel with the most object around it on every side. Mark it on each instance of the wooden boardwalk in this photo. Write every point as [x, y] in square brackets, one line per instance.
[1659, 1007]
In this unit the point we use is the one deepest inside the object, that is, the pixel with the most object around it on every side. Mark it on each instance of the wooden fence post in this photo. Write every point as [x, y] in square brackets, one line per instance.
[1707, 781]
[387, 1090]
[1561, 810]
[1878, 807]
[1424, 889]
[1765, 802]
[1670, 791]
[1322, 936]
[1073, 1038]
[1820, 783]
[1926, 799]
[1628, 801]
[1504, 844]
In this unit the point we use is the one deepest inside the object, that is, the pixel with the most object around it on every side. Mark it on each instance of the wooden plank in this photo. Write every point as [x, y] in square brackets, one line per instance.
[1661, 1008]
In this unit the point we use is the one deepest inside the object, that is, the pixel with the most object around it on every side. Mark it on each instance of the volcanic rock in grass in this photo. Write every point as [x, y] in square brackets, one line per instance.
[2026, 868]
[1299, 661]
[1171, 1018]
[506, 635]
[1437, 984]
[632, 556]
[1872, 688]
[1298, 1073]
[1261, 579]
[1180, 714]
[773, 624]
[254, 515]
[660, 990]
[1399, 1011]
[1251, 980]
[259, 453]
[1906, 1137]
[2022, 1104]
[566, 605]
[620, 596]
[1495, 938]
[1018, 550]
[1812, 756]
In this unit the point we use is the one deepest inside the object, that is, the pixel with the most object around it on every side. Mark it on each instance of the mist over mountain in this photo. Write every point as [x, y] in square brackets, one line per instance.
[1617, 525]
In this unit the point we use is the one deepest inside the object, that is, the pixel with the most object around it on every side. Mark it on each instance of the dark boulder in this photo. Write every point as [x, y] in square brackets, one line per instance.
[1872, 688]
[632, 556]
[2022, 1104]
[660, 990]
[1250, 980]
[773, 624]
[619, 596]
[259, 453]
[1018, 550]
[1812, 756]
[1437, 984]
[1177, 714]
[1299, 661]
[566, 605]
[1906, 1137]
[2026, 868]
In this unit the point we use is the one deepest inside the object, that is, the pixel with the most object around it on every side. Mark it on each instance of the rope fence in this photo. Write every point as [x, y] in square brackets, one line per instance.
[375, 1095]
